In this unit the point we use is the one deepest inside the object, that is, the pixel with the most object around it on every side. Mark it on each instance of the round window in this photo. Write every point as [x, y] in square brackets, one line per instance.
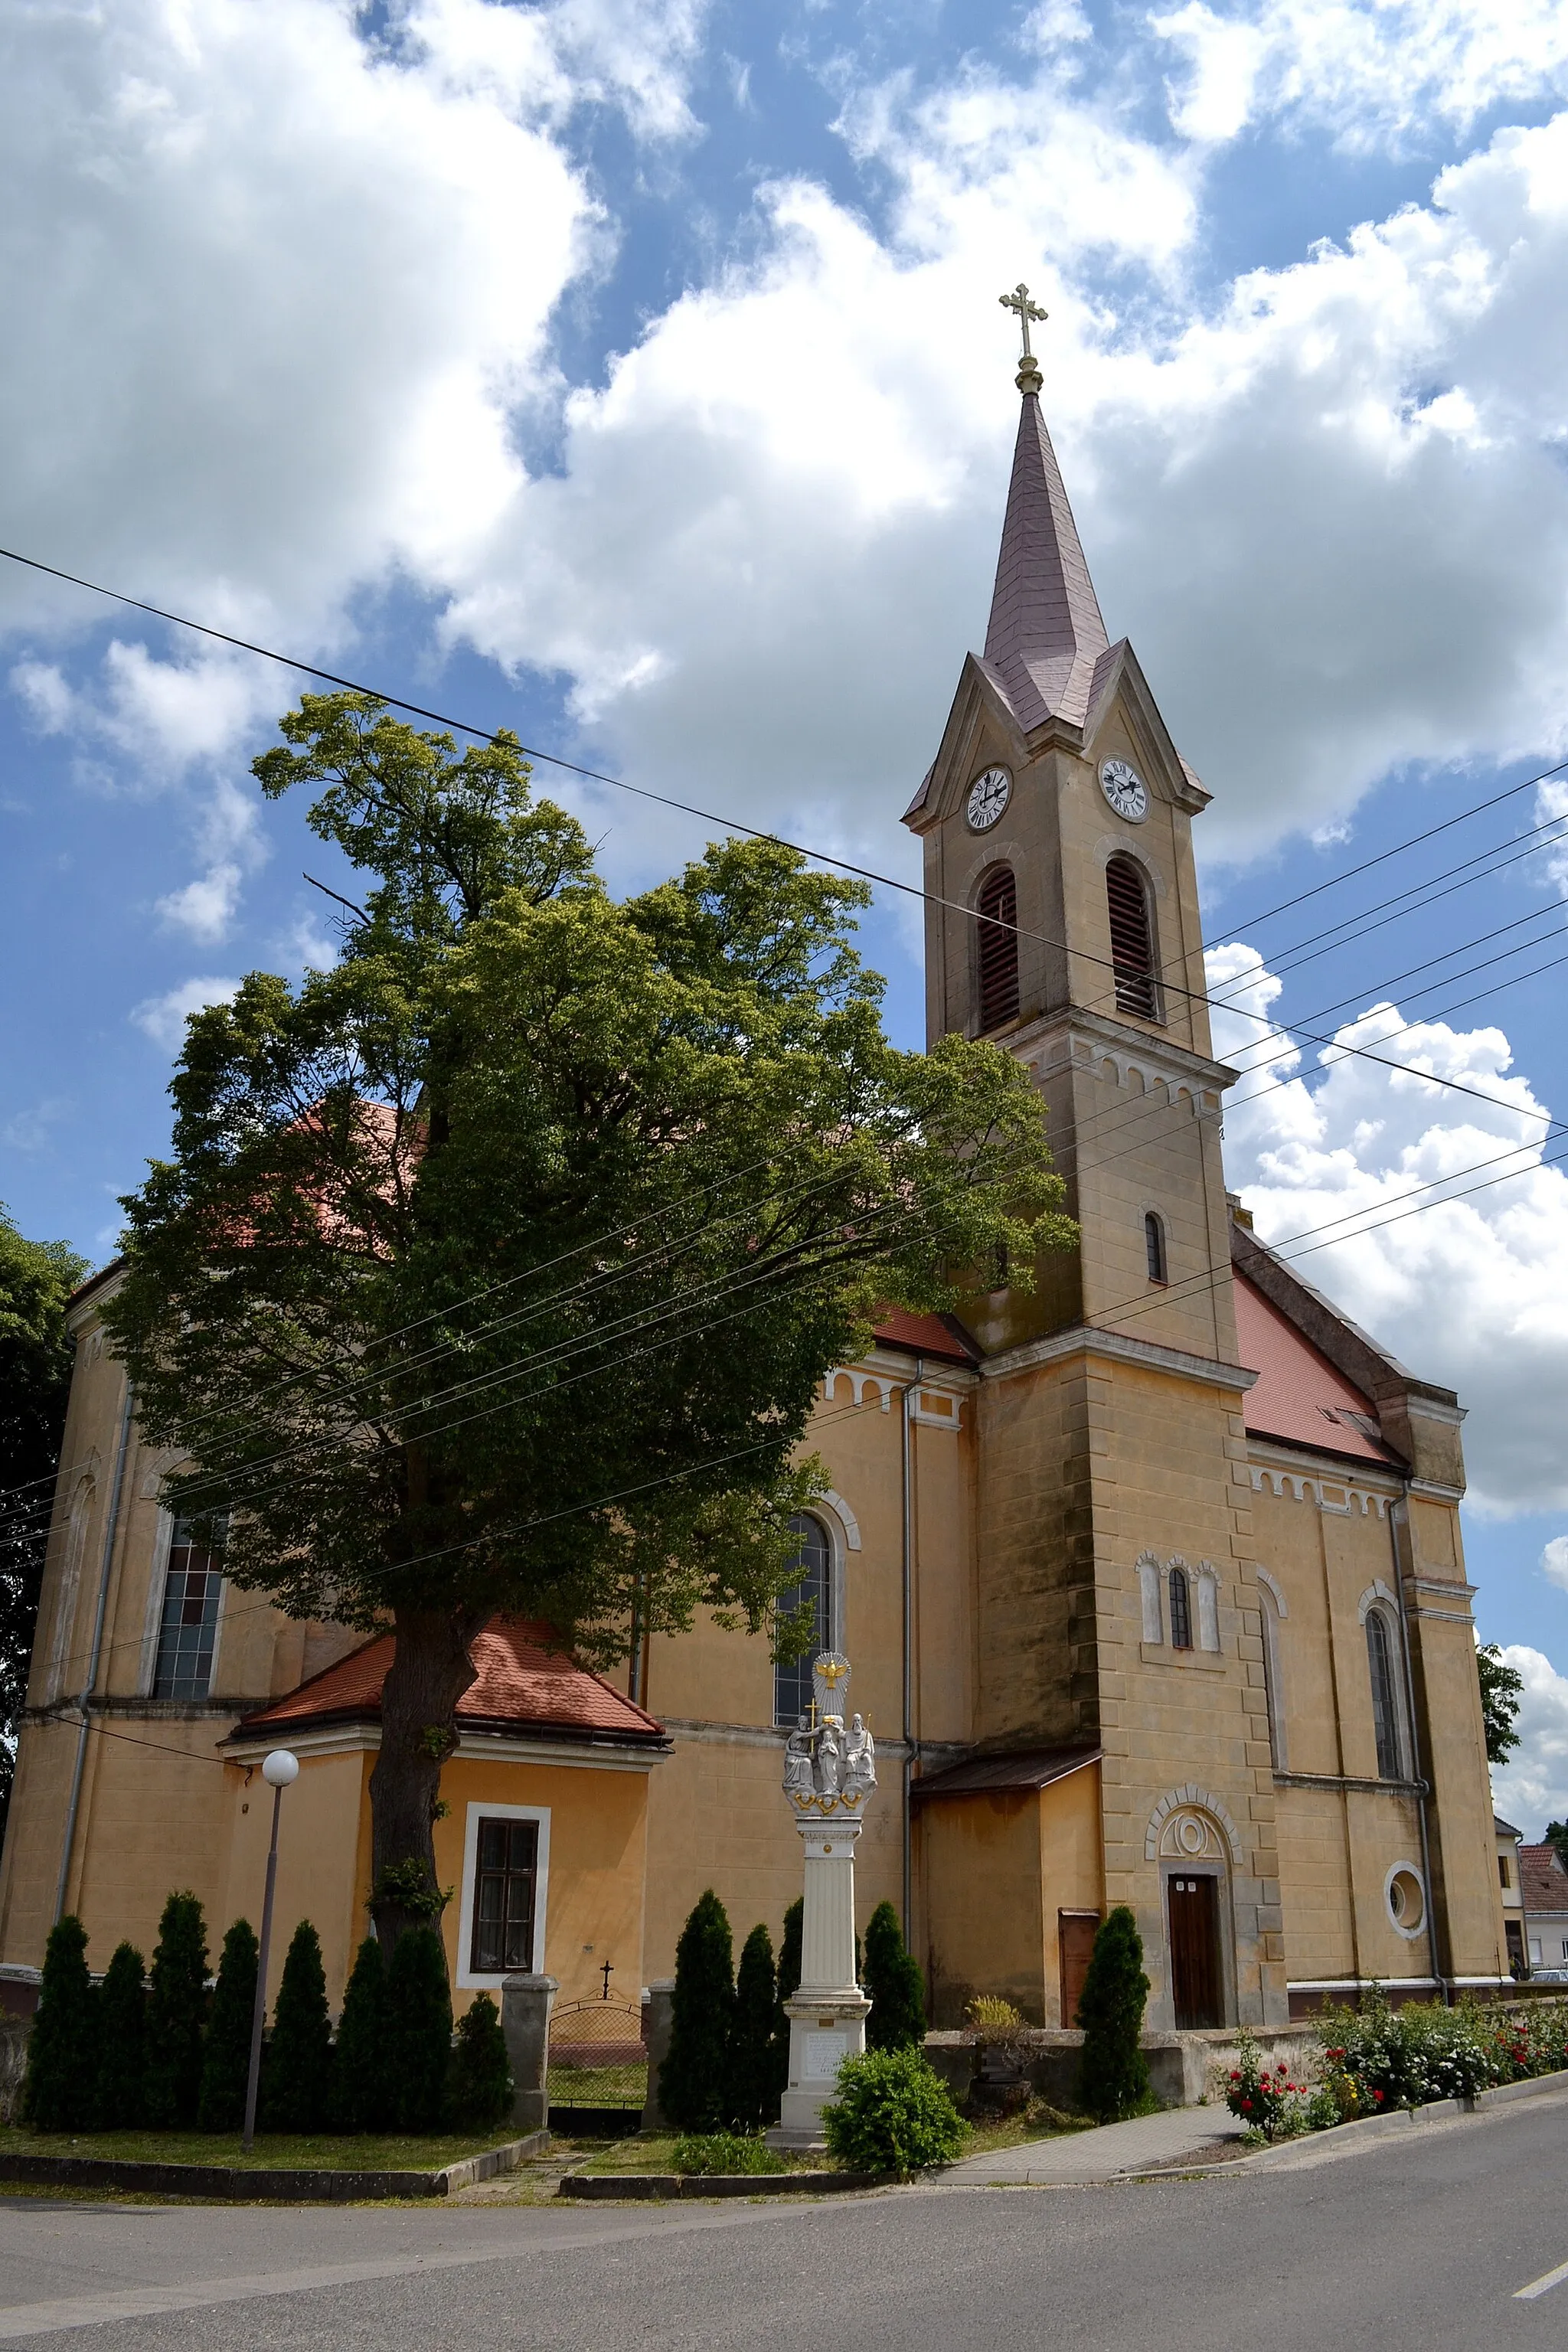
[1407, 1904]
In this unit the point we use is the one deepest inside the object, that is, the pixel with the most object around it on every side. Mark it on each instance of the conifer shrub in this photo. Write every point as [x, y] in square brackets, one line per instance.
[119, 2087]
[419, 2030]
[1114, 2074]
[175, 2014]
[753, 2102]
[480, 2092]
[297, 2060]
[62, 2047]
[225, 2061]
[361, 2097]
[891, 2113]
[693, 2085]
[897, 1990]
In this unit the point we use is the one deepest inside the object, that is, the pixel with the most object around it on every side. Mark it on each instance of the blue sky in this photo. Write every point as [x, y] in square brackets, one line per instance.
[632, 374]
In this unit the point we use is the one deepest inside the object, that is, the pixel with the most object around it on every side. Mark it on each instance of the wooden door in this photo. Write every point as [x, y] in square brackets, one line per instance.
[1076, 1932]
[1195, 1951]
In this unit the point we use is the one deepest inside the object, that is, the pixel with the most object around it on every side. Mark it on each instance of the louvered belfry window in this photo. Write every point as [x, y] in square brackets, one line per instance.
[997, 907]
[1131, 949]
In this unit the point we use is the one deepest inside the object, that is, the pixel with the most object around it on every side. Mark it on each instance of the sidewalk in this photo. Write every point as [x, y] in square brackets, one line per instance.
[1102, 2154]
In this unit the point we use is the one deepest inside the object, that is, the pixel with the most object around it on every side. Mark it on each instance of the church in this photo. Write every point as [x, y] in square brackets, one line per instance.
[1151, 1579]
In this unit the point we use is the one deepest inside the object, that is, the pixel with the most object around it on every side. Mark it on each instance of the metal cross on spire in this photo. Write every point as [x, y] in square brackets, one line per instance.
[1029, 378]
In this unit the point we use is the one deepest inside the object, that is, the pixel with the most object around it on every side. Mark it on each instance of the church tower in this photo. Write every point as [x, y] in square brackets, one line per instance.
[1117, 1597]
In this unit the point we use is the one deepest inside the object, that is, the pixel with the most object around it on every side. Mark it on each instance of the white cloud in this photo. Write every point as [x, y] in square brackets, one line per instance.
[163, 1018]
[44, 694]
[1554, 1562]
[206, 907]
[29, 1130]
[1532, 1787]
[1473, 1291]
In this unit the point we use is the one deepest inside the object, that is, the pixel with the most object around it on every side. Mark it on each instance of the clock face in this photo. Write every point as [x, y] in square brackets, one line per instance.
[1125, 789]
[988, 796]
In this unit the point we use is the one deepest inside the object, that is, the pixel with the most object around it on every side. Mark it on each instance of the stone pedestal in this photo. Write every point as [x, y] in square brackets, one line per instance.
[657, 2021]
[525, 2003]
[827, 2014]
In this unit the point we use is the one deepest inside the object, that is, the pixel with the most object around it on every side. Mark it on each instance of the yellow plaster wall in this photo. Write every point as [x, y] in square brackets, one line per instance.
[979, 1861]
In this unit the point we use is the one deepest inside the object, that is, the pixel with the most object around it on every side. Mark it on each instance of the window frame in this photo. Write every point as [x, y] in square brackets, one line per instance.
[468, 1977]
[830, 1617]
[1137, 992]
[1157, 1251]
[1393, 1748]
[1005, 948]
[1177, 1580]
[159, 1616]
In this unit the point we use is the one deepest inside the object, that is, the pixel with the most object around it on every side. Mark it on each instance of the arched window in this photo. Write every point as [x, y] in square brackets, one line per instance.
[1154, 1247]
[1384, 1707]
[792, 1683]
[997, 907]
[1132, 941]
[187, 1631]
[1181, 1610]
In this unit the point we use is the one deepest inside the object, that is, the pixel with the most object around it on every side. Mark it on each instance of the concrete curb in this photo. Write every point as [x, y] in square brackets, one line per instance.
[641, 2185]
[251, 2184]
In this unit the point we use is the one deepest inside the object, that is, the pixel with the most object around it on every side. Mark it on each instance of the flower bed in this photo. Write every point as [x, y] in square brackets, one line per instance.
[1377, 2058]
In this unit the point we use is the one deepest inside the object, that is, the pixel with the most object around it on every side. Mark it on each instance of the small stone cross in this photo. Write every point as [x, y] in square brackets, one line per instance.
[1019, 300]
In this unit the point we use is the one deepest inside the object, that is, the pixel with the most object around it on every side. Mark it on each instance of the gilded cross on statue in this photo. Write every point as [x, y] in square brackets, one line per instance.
[1029, 377]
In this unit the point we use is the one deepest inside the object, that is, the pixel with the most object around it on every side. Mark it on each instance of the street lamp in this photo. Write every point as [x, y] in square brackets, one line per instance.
[277, 1770]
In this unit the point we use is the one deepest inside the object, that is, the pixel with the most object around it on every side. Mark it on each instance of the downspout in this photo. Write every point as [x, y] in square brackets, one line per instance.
[1420, 1777]
[111, 1528]
[910, 1390]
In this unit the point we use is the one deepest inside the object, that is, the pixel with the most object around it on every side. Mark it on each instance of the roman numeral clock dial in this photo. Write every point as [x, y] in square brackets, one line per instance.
[1125, 789]
[988, 796]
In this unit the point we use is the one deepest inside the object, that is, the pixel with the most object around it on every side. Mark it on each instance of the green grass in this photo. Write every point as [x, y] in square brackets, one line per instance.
[655, 2152]
[599, 2086]
[273, 2151]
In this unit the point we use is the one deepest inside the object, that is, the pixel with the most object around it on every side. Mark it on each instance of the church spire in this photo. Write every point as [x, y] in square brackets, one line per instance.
[1045, 634]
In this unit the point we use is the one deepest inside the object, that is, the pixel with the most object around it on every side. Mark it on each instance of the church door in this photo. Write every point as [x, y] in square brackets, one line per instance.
[1195, 1951]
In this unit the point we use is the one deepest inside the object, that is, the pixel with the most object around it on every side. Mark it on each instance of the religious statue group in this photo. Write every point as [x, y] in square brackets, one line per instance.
[823, 1759]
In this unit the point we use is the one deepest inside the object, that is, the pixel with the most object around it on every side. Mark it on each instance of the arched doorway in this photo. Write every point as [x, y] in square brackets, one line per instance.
[1193, 1846]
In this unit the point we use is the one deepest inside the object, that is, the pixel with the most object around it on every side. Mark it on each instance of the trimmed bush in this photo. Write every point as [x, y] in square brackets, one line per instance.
[419, 2030]
[699, 2152]
[225, 2062]
[891, 2113]
[693, 2086]
[481, 2086]
[1113, 2075]
[62, 2048]
[120, 2091]
[361, 2096]
[175, 2015]
[297, 2062]
[753, 2102]
[893, 1979]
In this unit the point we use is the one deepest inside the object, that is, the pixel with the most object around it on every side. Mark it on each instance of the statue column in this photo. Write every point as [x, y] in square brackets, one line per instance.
[829, 1775]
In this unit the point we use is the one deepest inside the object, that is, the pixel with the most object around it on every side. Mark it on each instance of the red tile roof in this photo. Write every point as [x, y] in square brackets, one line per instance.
[1544, 1879]
[523, 1686]
[943, 1336]
[1299, 1396]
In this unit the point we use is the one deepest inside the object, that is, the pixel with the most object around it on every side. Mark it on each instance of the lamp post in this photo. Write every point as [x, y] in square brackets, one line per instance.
[277, 1770]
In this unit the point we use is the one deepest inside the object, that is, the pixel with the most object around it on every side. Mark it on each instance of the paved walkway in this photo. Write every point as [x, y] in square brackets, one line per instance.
[1102, 2154]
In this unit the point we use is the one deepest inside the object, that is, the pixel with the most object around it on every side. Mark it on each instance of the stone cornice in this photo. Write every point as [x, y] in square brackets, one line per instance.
[1091, 1340]
[1096, 1032]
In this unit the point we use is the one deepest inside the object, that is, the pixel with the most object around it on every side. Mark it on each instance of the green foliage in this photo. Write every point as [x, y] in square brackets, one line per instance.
[407, 1886]
[297, 2062]
[35, 1357]
[119, 2087]
[419, 2030]
[690, 1091]
[1114, 2078]
[225, 2061]
[1267, 2099]
[1385, 2057]
[1502, 1687]
[175, 2016]
[753, 2101]
[699, 2152]
[892, 1979]
[62, 2047]
[362, 2096]
[1557, 1835]
[891, 2113]
[481, 2088]
[693, 2087]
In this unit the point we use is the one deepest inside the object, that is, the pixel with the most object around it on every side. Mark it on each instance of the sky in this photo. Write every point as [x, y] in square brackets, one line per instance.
[632, 375]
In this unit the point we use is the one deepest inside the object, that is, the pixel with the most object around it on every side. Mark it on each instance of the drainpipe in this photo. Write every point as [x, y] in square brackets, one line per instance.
[110, 1527]
[910, 1389]
[1432, 1951]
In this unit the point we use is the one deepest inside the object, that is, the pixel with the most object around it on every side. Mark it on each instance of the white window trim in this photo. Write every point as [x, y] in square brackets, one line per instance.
[1151, 1596]
[1271, 1609]
[1406, 1870]
[476, 1814]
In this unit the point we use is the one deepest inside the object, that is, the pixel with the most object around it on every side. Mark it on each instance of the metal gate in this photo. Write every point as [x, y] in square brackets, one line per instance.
[597, 2057]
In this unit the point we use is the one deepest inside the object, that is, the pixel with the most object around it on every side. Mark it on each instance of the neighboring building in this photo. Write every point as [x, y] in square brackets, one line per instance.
[1545, 1889]
[1151, 1580]
[1510, 1889]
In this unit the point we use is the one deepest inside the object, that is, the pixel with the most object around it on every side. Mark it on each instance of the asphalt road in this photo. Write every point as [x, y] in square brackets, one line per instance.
[1423, 2242]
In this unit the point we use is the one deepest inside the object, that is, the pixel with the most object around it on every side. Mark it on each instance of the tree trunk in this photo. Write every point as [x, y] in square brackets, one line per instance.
[430, 1671]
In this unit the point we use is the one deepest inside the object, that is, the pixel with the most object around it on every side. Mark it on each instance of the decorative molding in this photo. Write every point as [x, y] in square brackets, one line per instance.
[1149, 1576]
[847, 1519]
[1406, 1870]
[1341, 1500]
[1350, 1783]
[859, 1381]
[921, 1409]
[1110, 844]
[1375, 1592]
[1182, 1799]
[1207, 1577]
[1271, 1585]
[1092, 1340]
